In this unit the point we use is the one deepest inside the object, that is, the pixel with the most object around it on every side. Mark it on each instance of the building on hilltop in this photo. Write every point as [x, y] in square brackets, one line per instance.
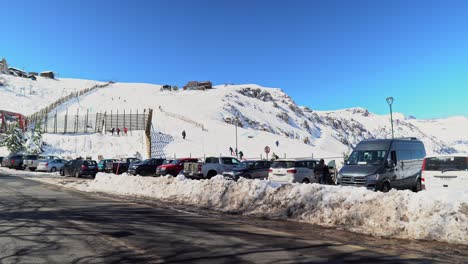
[17, 72]
[48, 74]
[194, 85]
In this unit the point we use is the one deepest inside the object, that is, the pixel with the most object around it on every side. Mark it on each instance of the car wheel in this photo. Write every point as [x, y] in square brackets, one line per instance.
[386, 187]
[62, 173]
[77, 174]
[306, 181]
[32, 169]
[418, 186]
[53, 169]
[211, 174]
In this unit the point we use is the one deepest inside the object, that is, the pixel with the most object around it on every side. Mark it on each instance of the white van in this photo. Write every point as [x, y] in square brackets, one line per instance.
[293, 170]
[445, 172]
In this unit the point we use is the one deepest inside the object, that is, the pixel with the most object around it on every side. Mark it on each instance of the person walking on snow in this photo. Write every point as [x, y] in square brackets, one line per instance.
[277, 143]
[183, 134]
[112, 131]
[231, 151]
[241, 154]
[118, 131]
[125, 130]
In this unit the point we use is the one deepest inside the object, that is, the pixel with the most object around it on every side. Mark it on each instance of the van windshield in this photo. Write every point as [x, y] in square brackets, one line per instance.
[367, 157]
[446, 164]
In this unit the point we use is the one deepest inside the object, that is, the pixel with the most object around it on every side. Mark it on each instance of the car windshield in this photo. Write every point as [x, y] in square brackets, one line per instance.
[446, 164]
[367, 157]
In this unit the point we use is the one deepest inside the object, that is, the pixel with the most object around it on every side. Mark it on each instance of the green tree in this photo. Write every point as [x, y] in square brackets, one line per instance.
[14, 140]
[33, 139]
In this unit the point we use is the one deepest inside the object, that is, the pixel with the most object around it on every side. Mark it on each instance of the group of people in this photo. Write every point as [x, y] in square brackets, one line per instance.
[125, 131]
[236, 153]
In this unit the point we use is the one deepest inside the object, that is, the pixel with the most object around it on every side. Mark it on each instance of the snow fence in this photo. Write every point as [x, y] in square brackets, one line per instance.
[425, 215]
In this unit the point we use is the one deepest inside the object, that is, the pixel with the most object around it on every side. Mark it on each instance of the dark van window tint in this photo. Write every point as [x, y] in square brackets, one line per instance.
[404, 155]
[311, 164]
[282, 164]
[446, 164]
[301, 164]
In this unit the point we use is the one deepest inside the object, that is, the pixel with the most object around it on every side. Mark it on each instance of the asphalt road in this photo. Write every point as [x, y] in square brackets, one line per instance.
[42, 223]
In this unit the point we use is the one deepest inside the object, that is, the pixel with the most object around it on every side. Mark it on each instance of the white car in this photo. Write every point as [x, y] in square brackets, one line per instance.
[51, 165]
[293, 170]
[448, 172]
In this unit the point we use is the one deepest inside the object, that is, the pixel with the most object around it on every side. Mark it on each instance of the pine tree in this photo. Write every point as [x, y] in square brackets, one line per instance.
[33, 140]
[14, 140]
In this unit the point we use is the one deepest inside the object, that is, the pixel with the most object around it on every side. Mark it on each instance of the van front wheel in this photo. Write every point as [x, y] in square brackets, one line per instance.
[386, 187]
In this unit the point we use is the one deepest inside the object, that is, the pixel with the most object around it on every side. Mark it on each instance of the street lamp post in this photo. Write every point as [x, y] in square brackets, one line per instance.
[237, 151]
[390, 102]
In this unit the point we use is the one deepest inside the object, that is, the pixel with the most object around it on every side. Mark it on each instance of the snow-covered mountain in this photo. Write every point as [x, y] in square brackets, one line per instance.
[265, 115]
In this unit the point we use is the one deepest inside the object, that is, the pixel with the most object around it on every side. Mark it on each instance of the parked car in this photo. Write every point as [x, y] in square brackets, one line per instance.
[79, 167]
[102, 163]
[6, 161]
[293, 170]
[250, 169]
[383, 164]
[145, 168]
[50, 165]
[120, 166]
[174, 167]
[15, 161]
[31, 161]
[210, 168]
[448, 172]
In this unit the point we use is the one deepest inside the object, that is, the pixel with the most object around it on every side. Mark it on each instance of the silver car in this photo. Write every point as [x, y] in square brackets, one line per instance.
[51, 165]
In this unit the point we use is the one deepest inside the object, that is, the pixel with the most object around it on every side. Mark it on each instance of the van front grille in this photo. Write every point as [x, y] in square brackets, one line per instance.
[353, 181]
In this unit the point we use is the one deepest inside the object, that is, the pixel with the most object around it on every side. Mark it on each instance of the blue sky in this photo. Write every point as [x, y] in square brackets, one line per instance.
[326, 54]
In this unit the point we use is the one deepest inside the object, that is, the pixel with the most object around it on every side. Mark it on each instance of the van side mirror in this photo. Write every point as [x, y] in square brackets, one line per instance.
[390, 163]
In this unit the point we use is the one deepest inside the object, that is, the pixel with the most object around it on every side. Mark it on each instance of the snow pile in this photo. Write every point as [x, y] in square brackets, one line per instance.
[402, 214]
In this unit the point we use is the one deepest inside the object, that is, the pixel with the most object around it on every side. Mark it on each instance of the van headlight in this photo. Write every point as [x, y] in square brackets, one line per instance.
[373, 177]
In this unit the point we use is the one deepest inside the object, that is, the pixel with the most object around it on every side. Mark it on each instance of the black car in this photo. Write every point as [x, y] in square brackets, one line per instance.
[15, 162]
[79, 167]
[251, 169]
[145, 168]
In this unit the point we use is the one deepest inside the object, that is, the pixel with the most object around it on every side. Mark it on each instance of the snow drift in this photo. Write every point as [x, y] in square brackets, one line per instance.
[402, 214]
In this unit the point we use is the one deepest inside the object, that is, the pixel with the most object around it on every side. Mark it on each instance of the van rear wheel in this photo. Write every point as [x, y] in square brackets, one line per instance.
[418, 186]
[306, 181]
[386, 187]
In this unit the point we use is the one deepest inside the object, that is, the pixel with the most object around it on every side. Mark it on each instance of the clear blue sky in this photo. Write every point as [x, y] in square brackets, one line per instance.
[328, 54]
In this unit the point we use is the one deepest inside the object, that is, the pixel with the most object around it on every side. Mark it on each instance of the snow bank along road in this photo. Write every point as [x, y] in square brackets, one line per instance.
[41, 223]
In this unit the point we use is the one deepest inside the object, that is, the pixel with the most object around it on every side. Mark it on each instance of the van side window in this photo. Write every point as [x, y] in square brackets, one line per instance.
[311, 164]
[404, 155]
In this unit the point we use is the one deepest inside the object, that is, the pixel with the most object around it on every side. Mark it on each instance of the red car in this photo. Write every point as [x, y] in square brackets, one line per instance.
[173, 168]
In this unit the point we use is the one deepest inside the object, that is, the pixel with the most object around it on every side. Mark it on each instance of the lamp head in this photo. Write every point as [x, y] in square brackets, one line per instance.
[389, 100]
